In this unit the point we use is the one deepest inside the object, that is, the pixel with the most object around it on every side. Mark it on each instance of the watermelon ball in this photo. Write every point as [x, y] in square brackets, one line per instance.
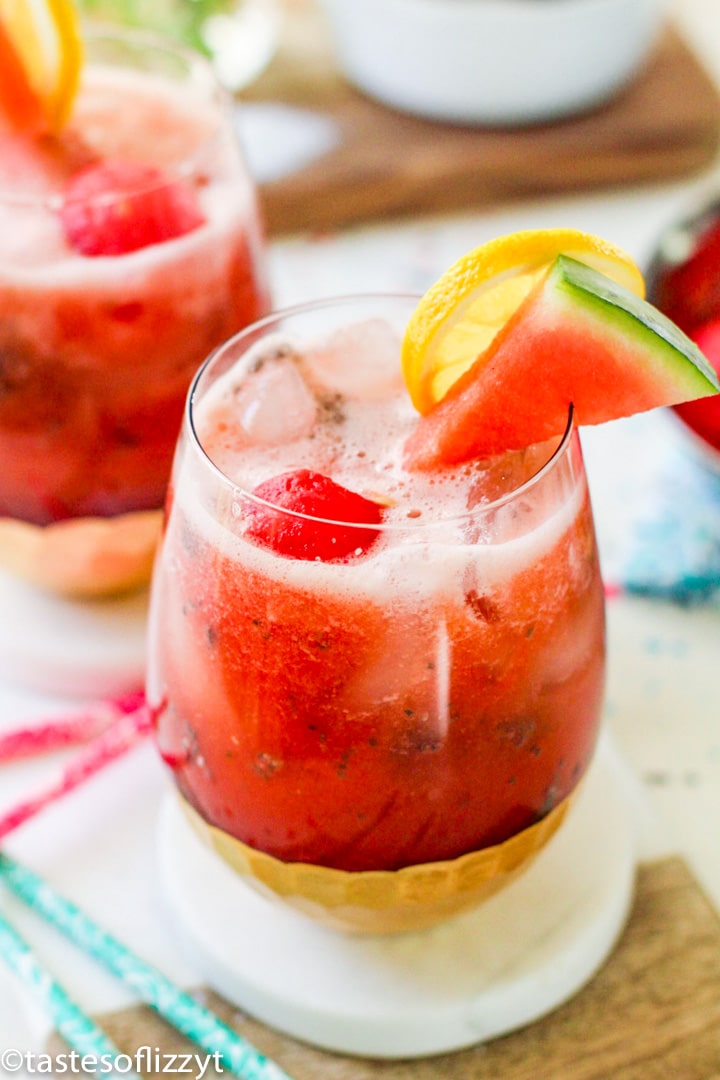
[113, 207]
[319, 535]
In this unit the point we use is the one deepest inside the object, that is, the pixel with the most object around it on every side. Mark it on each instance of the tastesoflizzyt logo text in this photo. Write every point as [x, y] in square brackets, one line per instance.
[144, 1060]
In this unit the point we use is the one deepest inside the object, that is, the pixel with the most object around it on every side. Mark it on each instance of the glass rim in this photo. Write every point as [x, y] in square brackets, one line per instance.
[98, 31]
[555, 456]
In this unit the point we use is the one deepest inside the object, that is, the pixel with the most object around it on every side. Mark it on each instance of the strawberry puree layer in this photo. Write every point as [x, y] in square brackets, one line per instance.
[96, 353]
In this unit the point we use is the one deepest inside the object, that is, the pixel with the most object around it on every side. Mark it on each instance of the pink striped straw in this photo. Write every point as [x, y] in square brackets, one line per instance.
[116, 740]
[45, 736]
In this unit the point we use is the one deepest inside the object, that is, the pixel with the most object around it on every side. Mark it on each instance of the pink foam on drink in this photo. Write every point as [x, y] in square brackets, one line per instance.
[355, 416]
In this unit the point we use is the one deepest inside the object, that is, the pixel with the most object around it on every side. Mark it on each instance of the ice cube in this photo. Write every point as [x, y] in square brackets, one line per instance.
[504, 474]
[274, 404]
[359, 361]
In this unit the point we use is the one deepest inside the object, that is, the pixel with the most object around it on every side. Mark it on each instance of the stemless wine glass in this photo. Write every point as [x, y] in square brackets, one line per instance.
[385, 712]
[130, 246]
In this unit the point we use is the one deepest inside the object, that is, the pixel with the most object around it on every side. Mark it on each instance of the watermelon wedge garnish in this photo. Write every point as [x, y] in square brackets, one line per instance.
[578, 338]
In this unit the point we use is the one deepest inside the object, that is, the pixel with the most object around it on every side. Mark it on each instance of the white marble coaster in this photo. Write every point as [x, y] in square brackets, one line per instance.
[89, 648]
[480, 975]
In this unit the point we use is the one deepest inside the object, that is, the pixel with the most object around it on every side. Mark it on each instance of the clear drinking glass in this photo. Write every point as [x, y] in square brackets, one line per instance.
[418, 684]
[130, 246]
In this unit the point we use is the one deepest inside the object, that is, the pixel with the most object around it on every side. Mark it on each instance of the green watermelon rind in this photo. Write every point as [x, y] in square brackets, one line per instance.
[668, 349]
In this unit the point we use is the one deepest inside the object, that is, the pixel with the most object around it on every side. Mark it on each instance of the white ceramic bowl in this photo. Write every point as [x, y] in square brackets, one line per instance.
[492, 61]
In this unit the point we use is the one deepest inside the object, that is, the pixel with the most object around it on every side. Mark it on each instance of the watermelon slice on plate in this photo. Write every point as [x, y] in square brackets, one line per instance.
[578, 338]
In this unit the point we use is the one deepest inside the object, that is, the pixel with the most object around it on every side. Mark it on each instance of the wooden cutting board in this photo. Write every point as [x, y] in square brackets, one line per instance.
[651, 1013]
[386, 164]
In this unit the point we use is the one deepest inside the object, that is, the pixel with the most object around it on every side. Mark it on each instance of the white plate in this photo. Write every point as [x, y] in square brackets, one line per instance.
[492, 61]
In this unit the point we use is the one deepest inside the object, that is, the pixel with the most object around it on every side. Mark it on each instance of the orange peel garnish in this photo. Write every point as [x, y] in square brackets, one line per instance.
[40, 61]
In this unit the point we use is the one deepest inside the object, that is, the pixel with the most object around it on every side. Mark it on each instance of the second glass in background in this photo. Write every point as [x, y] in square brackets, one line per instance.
[130, 245]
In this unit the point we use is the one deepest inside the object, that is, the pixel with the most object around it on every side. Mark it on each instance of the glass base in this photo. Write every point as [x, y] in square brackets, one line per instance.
[74, 648]
[485, 973]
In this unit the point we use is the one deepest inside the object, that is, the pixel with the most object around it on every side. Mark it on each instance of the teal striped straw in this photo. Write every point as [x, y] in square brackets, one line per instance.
[185, 1014]
[78, 1030]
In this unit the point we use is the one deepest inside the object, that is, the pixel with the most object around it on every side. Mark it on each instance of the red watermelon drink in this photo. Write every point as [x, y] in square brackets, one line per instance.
[129, 247]
[356, 665]
[377, 638]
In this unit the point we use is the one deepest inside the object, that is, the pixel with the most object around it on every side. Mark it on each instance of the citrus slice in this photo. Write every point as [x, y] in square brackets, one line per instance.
[578, 338]
[458, 317]
[40, 61]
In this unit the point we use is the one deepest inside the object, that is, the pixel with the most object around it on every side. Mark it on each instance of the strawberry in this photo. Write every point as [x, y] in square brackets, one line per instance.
[306, 492]
[689, 291]
[703, 416]
[113, 207]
